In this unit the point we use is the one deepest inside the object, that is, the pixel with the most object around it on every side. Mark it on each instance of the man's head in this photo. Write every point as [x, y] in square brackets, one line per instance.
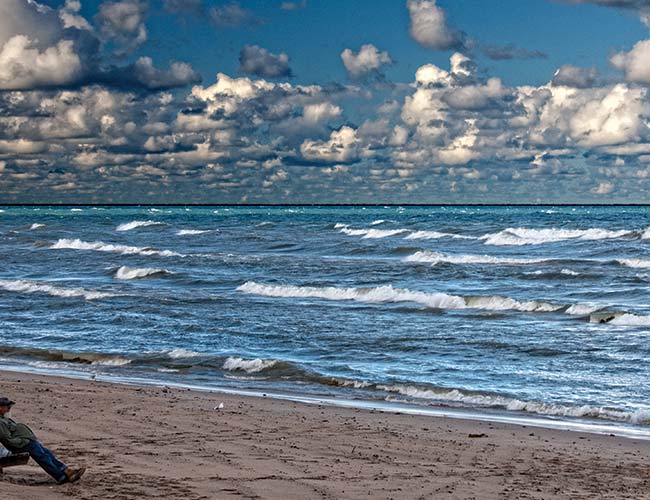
[5, 405]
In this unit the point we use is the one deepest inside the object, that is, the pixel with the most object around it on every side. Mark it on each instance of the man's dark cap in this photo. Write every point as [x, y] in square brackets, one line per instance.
[6, 402]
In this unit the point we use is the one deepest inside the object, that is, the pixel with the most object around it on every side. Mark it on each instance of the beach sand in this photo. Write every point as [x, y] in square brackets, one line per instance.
[150, 442]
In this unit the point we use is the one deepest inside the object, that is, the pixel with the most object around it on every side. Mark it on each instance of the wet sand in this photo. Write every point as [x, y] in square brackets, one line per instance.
[150, 442]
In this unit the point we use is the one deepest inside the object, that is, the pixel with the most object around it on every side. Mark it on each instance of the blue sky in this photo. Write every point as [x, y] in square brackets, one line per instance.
[330, 101]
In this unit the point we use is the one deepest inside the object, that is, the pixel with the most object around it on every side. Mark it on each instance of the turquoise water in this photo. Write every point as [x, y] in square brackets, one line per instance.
[528, 310]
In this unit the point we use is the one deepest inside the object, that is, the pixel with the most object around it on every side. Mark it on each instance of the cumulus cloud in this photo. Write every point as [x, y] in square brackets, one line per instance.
[429, 26]
[144, 74]
[123, 23]
[342, 147]
[573, 76]
[635, 63]
[24, 66]
[369, 60]
[257, 61]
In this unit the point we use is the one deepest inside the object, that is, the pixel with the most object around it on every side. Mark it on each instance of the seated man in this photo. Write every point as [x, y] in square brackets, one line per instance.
[18, 438]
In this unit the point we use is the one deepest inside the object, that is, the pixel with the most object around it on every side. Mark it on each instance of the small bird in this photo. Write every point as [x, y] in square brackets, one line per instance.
[218, 407]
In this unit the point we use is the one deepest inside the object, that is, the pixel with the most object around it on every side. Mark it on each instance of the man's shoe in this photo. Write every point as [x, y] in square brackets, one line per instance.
[73, 475]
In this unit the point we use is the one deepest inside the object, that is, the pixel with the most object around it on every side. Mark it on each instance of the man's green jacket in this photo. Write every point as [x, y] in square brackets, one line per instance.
[14, 436]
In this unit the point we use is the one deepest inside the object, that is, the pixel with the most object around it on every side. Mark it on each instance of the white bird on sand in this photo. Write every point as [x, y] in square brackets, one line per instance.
[218, 407]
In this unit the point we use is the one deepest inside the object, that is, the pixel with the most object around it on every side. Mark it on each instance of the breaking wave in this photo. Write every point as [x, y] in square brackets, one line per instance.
[521, 236]
[248, 365]
[189, 232]
[432, 235]
[36, 225]
[620, 319]
[372, 233]
[182, 354]
[100, 246]
[389, 294]
[640, 417]
[426, 256]
[635, 263]
[131, 273]
[25, 286]
[128, 226]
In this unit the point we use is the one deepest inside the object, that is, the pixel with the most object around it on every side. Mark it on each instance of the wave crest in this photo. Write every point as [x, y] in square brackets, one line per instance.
[372, 233]
[190, 232]
[248, 365]
[426, 256]
[516, 236]
[26, 286]
[100, 246]
[128, 226]
[131, 273]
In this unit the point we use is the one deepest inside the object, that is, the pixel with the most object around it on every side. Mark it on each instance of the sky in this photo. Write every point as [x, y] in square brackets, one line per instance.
[324, 101]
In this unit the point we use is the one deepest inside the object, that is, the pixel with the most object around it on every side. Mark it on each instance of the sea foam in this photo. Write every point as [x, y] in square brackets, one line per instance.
[26, 286]
[131, 273]
[248, 365]
[100, 246]
[639, 417]
[635, 263]
[433, 235]
[389, 294]
[426, 256]
[522, 236]
[128, 226]
[372, 233]
[189, 232]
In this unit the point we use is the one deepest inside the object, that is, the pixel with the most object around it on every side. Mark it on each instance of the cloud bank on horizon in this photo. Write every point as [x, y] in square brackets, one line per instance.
[96, 107]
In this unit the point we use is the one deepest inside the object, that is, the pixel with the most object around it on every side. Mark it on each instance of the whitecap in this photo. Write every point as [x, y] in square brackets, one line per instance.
[433, 235]
[130, 273]
[582, 309]
[569, 272]
[128, 226]
[36, 225]
[113, 361]
[188, 232]
[372, 233]
[377, 222]
[523, 236]
[26, 286]
[629, 319]
[100, 246]
[635, 263]
[248, 365]
[182, 353]
[426, 256]
[513, 404]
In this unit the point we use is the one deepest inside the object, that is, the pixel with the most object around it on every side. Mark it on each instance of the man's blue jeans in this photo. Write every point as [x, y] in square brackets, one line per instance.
[46, 459]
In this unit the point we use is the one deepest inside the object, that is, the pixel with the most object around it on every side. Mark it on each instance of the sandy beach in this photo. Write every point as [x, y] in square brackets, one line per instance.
[156, 442]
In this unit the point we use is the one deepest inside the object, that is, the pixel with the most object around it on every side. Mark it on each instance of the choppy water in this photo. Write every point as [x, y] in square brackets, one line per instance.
[524, 309]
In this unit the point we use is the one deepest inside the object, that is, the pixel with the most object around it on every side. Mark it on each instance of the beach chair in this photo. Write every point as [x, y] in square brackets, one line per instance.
[13, 459]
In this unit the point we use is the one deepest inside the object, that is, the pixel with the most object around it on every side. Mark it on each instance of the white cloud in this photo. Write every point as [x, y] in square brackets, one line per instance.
[367, 60]
[342, 147]
[635, 63]
[603, 188]
[123, 22]
[23, 66]
[429, 26]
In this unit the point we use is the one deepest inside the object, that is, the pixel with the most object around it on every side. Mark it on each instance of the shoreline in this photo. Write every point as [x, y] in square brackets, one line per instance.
[154, 442]
[591, 426]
